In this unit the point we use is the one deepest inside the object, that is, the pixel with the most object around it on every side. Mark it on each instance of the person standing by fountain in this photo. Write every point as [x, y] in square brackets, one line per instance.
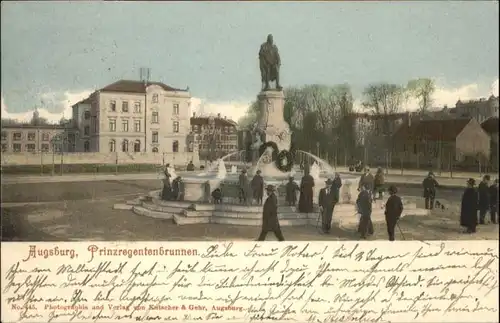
[243, 187]
[326, 204]
[366, 180]
[291, 191]
[270, 220]
[364, 205]
[393, 211]
[336, 185]
[378, 184]
[166, 193]
[306, 192]
[258, 187]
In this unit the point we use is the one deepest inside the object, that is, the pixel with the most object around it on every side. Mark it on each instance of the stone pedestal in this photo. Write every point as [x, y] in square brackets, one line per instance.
[272, 122]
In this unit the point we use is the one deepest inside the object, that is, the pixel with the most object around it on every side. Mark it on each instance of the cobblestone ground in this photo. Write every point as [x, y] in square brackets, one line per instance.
[84, 212]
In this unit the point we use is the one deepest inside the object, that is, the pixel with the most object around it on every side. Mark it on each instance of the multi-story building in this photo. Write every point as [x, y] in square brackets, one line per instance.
[215, 136]
[134, 117]
[480, 109]
[20, 138]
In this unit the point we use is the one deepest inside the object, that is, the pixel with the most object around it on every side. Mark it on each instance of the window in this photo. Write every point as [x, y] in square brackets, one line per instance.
[176, 108]
[4, 135]
[31, 136]
[45, 148]
[86, 115]
[137, 107]
[45, 136]
[86, 131]
[137, 125]
[154, 137]
[112, 145]
[154, 118]
[137, 146]
[125, 106]
[112, 125]
[16, 148]
[86, 146]
[155, 149]
[30, 148]
[155, 98]
[4, 147]
[94, 124]
[176, 126]
[125, 125]
[112, 106]
[17, 136]
[175, 146]
[125, 145]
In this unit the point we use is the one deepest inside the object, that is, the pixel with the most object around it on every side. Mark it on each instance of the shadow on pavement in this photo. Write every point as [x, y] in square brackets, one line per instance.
[16, 228]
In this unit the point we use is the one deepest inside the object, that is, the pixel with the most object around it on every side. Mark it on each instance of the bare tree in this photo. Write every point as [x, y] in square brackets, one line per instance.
[422, 89]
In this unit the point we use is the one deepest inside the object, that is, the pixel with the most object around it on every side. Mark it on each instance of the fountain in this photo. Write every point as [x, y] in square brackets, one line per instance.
[272, 135]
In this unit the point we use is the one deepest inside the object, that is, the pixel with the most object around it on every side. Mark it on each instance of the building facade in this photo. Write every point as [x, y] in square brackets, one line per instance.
[26, 138]
[480, 109]
[134, 117]
[215, 136]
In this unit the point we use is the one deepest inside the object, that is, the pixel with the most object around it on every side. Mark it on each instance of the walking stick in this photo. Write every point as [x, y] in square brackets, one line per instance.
[400, 231]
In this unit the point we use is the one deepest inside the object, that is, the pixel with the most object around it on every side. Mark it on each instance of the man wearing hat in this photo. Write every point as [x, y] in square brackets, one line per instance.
[257, 187]
[393, 211]
[291, 191]
[243, 186]
[270, 216]
[483, 190]
[366, 180]
[469, 207]
[326, 205]
[430, 184]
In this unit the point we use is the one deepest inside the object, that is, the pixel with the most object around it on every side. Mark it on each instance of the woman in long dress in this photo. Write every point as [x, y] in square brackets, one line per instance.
[166, 193]
[306, 192]
[469, 207]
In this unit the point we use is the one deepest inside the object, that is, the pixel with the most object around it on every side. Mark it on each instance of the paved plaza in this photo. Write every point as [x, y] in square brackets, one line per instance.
[83, 211]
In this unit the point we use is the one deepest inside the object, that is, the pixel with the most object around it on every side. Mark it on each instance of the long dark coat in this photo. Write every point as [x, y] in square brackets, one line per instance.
[291, 192]
[270, 214]
[257, 187]
[306, 194]
[484, 195]
[166, 193]
[366, 179]
[336, 185]
[393, 209]
[468, 212]
[243, 186]
[430, 185]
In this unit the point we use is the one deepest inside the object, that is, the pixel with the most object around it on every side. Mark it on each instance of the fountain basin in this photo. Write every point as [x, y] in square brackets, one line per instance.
[186, 212]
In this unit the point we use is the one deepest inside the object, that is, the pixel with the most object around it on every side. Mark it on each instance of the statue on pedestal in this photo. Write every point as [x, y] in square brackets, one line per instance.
[270, 63]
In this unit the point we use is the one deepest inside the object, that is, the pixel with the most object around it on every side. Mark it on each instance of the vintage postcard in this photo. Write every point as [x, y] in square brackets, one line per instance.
[249, 162]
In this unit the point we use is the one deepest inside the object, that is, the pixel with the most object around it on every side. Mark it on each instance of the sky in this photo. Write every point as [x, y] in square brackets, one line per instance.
[54, 54]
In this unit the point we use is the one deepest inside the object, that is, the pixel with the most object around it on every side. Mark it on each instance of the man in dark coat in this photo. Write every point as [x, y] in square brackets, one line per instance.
[469, 207]
[393, 211]
[217, 196]
[366, 180]
[306, 192]
[258, 187]
[166, 193]
[243, 186]
[494, 201]
[483, 191]
[326, 205]
[291, 191]
[430, 184]
[176, 183]
[270, 216]
[364, 205]
[336, 185]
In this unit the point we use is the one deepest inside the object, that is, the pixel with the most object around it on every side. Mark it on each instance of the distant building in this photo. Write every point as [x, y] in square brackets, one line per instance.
[215, 136]
[480, 109]
[441, 144]
[133, 117]
[22, 138]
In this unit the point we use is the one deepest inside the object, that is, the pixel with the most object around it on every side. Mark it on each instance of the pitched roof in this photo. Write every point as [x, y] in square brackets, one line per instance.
[129, 86]
[490, 125]
[433, 129]
[199, 121]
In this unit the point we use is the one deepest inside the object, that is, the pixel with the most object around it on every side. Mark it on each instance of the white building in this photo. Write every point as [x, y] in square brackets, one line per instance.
[134, 117]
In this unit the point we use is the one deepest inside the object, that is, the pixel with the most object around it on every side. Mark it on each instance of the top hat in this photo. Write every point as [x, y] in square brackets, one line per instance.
[270, 187]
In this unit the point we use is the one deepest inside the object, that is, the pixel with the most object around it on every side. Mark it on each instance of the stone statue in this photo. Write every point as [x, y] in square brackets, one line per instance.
[270, 63]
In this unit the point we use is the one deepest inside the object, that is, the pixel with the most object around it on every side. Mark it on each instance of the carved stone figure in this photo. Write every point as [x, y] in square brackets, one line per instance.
[270, 63]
